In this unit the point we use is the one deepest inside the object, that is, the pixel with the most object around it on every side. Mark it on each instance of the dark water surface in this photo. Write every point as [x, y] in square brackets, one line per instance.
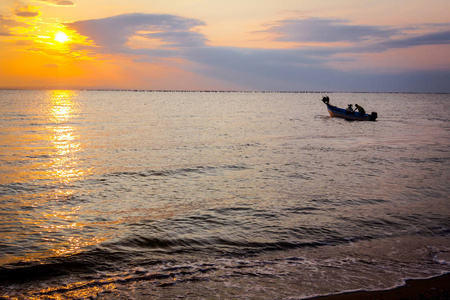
[114, 194]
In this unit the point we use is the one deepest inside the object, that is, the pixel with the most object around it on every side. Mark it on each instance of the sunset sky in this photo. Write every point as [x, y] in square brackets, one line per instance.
[271, 45]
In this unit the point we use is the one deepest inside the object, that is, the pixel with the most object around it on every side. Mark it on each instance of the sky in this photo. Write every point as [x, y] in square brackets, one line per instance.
[249, 45]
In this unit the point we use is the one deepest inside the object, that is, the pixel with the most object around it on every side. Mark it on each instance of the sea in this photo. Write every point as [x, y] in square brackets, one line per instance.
[218, 195]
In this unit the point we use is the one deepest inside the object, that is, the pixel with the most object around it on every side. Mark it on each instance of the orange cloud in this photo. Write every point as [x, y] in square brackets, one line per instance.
[27, 11]
[58, 2]
[7, 24]
[51, 66]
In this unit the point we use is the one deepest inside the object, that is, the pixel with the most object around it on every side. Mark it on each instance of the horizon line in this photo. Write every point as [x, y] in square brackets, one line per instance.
[212, 91]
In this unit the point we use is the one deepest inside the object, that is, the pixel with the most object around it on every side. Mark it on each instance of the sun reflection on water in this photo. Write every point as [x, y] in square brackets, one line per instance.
[62, 226]
[64, 138]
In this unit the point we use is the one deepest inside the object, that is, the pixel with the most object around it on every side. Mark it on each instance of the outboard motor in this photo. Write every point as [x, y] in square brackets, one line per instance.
[373, 116]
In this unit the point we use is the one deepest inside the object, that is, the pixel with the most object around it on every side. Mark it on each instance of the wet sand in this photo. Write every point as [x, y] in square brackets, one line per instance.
[436, 288]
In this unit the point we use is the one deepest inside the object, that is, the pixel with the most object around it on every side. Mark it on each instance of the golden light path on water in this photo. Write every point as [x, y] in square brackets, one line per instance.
[63, 137]
[64, 169]
[47, 137]
[50, 217]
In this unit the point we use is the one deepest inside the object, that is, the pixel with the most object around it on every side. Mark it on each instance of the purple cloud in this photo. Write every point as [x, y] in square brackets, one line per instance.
[435, 38]
[268, 69]
[327, 31]
[115, 31]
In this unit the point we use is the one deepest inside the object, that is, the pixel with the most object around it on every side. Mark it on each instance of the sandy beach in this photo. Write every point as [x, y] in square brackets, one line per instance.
[436, 288]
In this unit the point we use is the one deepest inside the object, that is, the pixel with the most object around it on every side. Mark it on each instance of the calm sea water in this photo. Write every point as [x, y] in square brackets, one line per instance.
[121, 194]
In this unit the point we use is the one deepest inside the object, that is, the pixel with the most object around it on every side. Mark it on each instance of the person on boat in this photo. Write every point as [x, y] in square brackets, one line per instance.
[326, 100]
[360, 109]
[349, 109]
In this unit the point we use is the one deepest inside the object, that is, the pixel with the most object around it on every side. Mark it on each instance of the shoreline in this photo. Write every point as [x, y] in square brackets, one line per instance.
[435, 288]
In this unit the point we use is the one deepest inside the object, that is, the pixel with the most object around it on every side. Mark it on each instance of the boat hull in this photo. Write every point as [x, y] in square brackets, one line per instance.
[355, 116]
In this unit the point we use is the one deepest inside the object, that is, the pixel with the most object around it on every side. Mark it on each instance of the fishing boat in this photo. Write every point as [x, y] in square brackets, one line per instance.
[335, 111]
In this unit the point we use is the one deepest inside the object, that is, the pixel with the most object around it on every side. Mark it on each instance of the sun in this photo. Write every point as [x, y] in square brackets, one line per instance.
[61, 37]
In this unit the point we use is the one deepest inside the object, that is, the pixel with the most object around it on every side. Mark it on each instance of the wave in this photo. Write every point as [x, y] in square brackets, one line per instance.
[178, 171]
[84, 262]
[19, 188]
[172, 275]
[37, 186]
[137, 251]
[213, 245]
